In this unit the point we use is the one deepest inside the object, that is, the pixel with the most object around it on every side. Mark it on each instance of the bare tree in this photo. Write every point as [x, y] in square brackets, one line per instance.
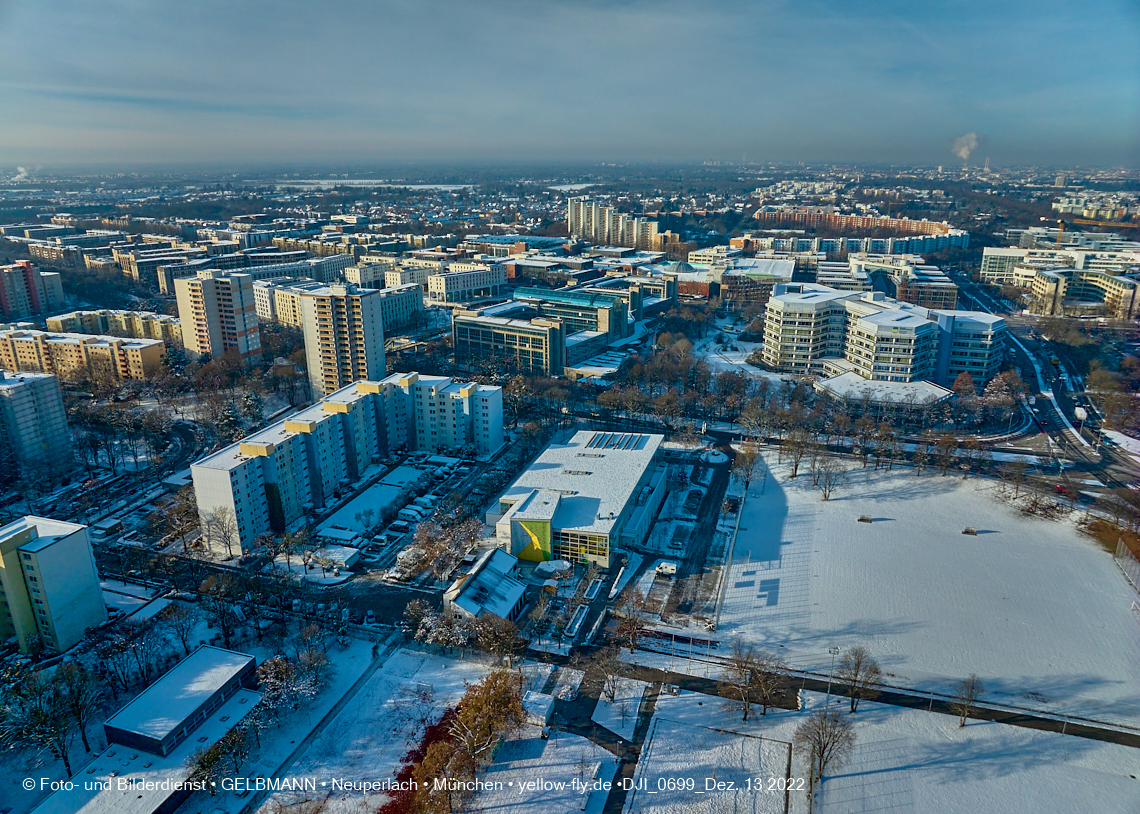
[746, 464]
[218, 594]
[1016, 473]
[182, 515]
[751, 677]
[966, 693]
[631, 627]
[220, 529]
[607, 662]
[861, 673]
[831, 477]
[37, 715]
[181, 622]
[83, 694]
[946, 450]
[796, 446]
[828, 738]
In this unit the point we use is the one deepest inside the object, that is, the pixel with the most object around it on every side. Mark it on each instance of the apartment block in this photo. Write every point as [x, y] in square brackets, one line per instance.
[606, 226]
[218, 314]
[468, 284]
[75, 357]
[401, 306]
[443, 415]
[368, 275]
[33, 423]
[49, 586]
[411, 272]
[25, 290]
[279, 300]
[137, 324]
[344, 336]
[272, 477]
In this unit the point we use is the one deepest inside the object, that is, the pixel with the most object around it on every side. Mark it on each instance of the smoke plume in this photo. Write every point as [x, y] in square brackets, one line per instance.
[21, 174]
[964, 145]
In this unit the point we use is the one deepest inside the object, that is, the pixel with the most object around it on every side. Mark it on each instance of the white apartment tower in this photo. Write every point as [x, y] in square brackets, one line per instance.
[344, 336]
[218, 314]
[33, 423]
[49, 586]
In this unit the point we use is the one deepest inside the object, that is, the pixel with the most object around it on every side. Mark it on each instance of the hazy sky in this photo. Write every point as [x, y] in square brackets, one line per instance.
[378, 81]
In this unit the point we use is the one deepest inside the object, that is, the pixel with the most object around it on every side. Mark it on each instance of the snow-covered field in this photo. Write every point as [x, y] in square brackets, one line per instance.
[1037, 610]
[374, 730]
[714, 767]
[554, 776]
[620, 717]
[923, 763]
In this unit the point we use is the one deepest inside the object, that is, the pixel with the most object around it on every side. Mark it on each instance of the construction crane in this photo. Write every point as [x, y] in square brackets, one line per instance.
[1119, 224]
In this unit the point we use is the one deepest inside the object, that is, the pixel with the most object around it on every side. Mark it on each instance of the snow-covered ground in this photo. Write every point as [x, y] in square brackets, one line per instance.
[1039, 611]
[376, 498]
[375, 729]
[718, 769]
[555, 776]
[1127, 442]
[620, 717]
[923, 763]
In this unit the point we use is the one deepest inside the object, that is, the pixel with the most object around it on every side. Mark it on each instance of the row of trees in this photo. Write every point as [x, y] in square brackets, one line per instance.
[493, 634]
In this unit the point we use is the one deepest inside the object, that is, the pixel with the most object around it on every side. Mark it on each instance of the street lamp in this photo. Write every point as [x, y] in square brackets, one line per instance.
[834, 651]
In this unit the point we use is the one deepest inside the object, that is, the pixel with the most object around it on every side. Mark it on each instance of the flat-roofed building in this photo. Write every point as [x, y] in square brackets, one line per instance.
[581, 310]
[25, 290]
[401, 306]
[152, 742]
[908, 278]
[530, 346]
[748, 282]
[344, 336]
[580, 500]
[137, 324]
[803, 324]
[410, 271]
[466, 282]
[267, 480]
[75, 357]
[369, 275]
[49, 586]
[218, 315]
[809, 328]
[33, 422]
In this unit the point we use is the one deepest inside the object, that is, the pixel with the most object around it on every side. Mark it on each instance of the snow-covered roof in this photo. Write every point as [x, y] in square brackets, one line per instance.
[117, 765]
[849, 386]
[488, 587]
[595, 473]
[165, 705]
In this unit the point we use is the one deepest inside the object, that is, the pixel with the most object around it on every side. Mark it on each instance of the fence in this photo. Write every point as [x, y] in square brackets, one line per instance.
[1128, 564]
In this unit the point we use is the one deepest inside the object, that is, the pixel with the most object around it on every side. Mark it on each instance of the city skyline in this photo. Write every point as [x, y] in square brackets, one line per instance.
[263, 83]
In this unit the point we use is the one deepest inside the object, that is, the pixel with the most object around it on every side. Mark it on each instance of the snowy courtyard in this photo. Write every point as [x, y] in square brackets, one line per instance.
[1035, 608]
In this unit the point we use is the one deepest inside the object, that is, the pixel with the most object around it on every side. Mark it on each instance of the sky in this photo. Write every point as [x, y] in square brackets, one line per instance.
[372, 82]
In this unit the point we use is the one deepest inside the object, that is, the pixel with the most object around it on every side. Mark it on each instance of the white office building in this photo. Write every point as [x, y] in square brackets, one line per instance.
[809, 328]
[474, 282]
[581, 500]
